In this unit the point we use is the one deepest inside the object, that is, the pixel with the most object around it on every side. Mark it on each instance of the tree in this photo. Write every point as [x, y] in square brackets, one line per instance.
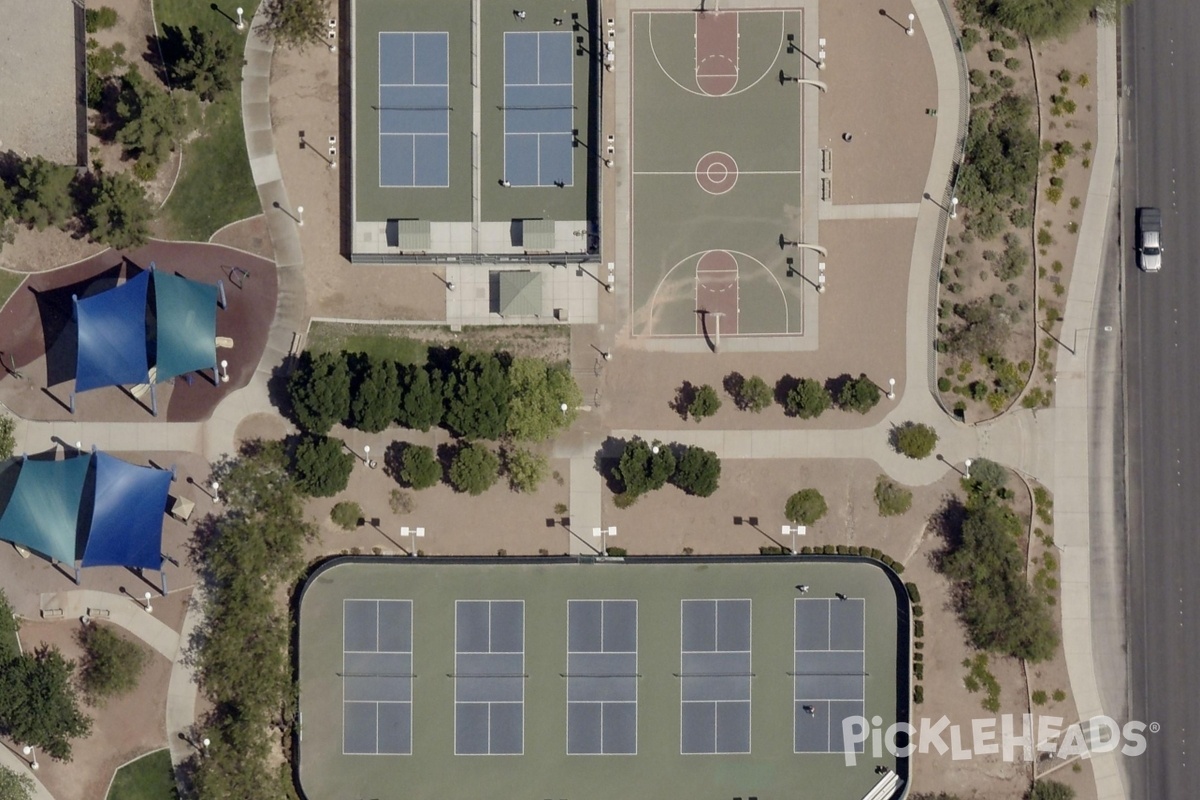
[477, 397]
[346, 515]
[698, 472]
[1002, 614]
[538, 393]
[150, 119]
[42, 193]
[808, 399]
[754, 395]
[423, 398]
[419, 467]
[642, 470]
[240, 650]
[525, 468]
[322, 466]
[859, 394]
[1051, 790]
[8, 439]
[805, 507]
[320, 391]
[15, 785]
[983, 332]
[892, 498]
[474, 469]
[987, 477]
[297, 23]
[112, 664]
[915, 440]
[704, 403]
[377, 397]
[118, 213]
[39, 705]
[202, 61]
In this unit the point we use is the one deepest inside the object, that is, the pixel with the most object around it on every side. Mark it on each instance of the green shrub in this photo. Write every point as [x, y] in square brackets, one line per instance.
[1038, 697]
[918, 694]
[970, 37]
[1013, 64]
[1051, 790]
[1064, 76]
[111, 663]
[919, 629]
[914, 593]
[808, 399]
[918, 611]
[859, 394]
[698, 472]
[525, 469]
[829, 550]
[770, 550]
[891, 498]
[99, 19]
[805, 507]
[1059, 695]
[943, 384]
[995, 55]
[346, 515]
[419, 467]
[321, 466]
[705, 403]
[474, 469]
[616, 552]
[915, 440]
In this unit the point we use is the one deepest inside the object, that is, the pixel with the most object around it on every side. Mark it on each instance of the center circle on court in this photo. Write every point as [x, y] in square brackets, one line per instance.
[716, 172]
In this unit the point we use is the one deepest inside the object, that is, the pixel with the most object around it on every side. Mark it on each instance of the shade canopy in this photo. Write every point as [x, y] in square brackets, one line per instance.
[125, 529]
[115, 344]
[186, 324]
[106, 509]
[520, 293]
[112, 336]
[43, 512]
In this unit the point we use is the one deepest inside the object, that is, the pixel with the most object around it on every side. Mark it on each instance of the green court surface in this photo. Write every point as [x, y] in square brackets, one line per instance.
[474, 117]
[428, 639]
[716, 171]
[375, 202]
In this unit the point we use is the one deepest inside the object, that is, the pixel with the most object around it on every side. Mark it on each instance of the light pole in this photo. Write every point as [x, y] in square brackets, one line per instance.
[563, 408]
[300, 215]
[28, 751]
[149, 607]
[967, 469]
[891, 393]
[216, 487]
[415, 533]
[797, 530]
[224, 371]
[953, 208]
[241, 23]
[205, 742]
[607, 356]
[910, 30]
[604, 534]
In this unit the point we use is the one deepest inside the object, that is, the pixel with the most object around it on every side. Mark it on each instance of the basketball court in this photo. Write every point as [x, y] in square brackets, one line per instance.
[718, 184]
[554, 678]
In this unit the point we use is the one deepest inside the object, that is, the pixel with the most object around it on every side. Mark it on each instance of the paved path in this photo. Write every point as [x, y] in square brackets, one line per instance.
[182, 690]
[17, 763]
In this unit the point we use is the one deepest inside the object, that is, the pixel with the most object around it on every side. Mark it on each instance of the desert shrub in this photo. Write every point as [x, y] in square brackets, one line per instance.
[346, 515]
[915, 440]
[805, 507]
[891, 498]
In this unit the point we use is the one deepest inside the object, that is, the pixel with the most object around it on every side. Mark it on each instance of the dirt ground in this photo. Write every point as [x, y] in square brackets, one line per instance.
[123, 728]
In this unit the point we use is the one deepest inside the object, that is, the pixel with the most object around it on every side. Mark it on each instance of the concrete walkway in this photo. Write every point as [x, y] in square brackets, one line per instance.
[182, 689]
[17, 763]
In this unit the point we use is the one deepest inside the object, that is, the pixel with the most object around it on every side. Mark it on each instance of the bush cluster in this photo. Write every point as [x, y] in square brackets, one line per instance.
[646, 467]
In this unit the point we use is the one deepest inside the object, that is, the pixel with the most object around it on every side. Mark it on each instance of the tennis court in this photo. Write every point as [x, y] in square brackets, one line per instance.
[414, 109]
[719, 184]
[550, 678]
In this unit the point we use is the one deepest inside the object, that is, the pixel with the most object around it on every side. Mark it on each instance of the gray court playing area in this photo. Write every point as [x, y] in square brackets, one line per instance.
[414, 109]
[377, 677]
[602, 677]
[548, 678]
[539, 107]
[489, 677]
[715, 676]
[830, 680]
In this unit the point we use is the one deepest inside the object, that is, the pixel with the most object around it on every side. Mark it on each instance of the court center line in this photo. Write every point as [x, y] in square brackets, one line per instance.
[692, 172]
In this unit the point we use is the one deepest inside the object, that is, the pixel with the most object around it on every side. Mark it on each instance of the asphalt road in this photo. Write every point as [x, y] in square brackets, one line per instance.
[1162, 358]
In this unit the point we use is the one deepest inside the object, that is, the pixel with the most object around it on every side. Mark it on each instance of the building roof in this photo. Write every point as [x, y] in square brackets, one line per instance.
[520, 293]
[538, 234]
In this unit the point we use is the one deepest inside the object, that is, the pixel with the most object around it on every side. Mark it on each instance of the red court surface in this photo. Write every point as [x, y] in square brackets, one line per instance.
[717, 292]
[37, 332]
[717, 52]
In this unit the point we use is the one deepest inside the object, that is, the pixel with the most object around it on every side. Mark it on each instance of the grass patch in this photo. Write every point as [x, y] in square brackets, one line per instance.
[409, 344]
[217, 157]
[148, 778]
[9, 281]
